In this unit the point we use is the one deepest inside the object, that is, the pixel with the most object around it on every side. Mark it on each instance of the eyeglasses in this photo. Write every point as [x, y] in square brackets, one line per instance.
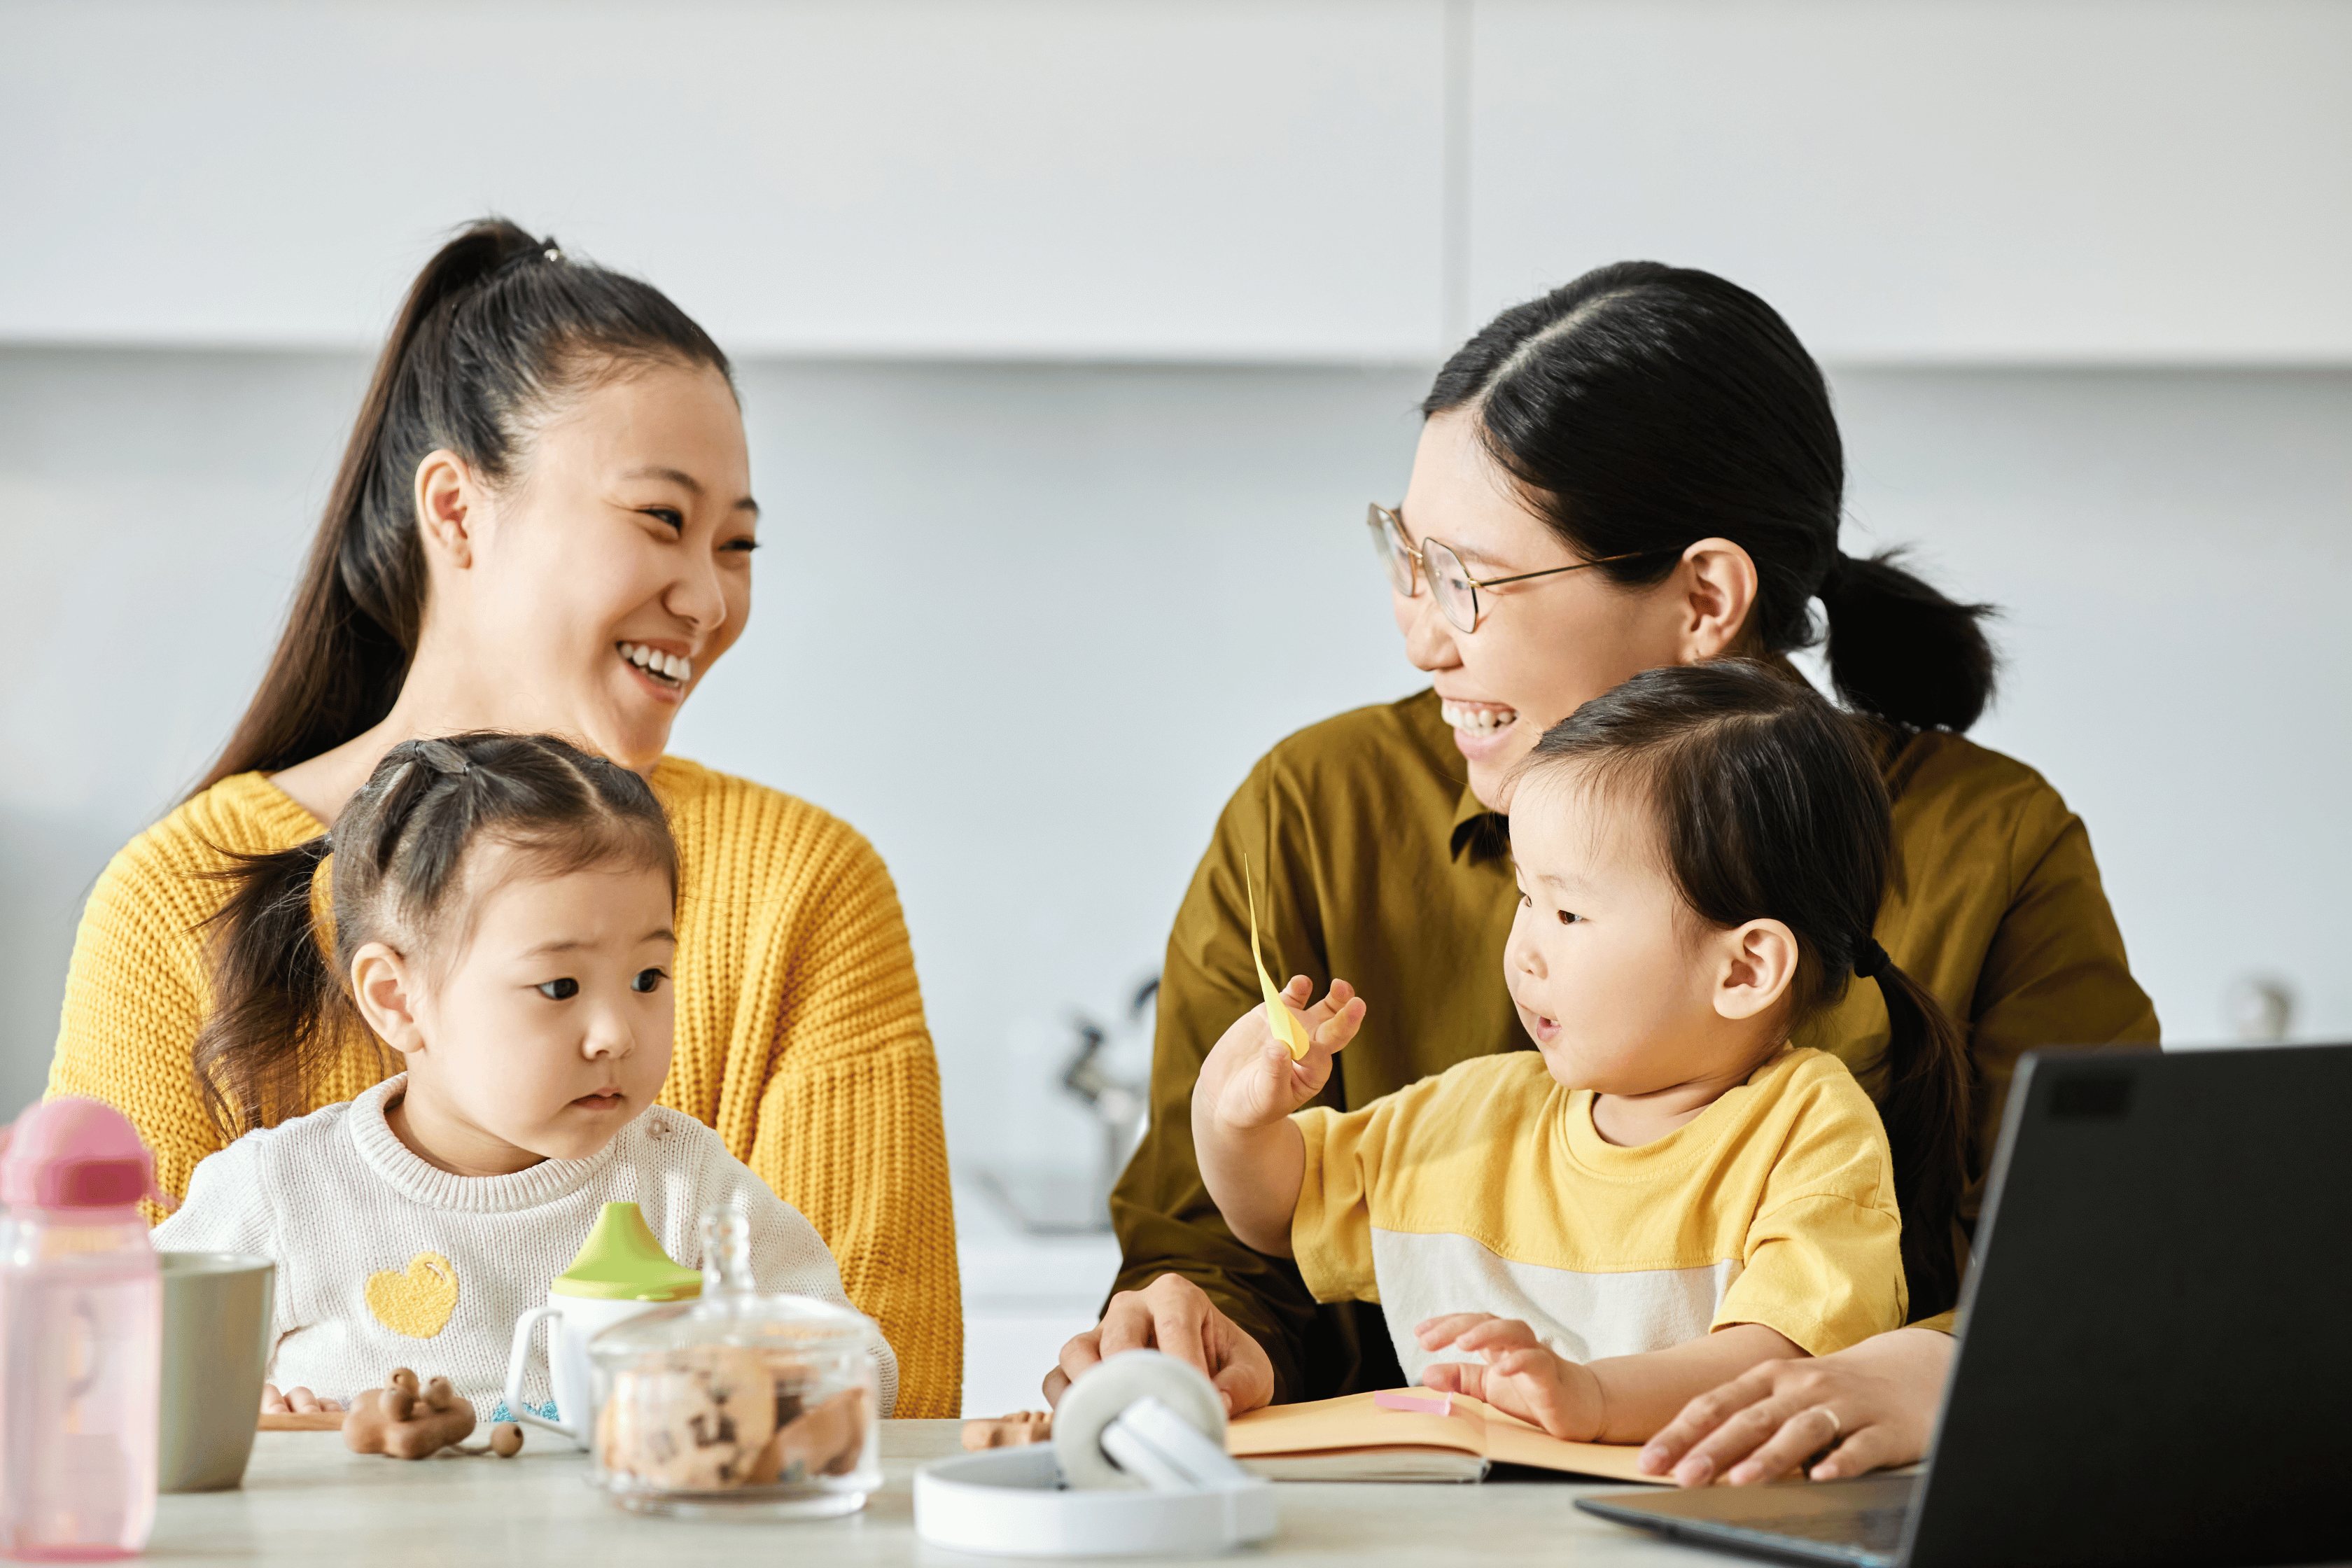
[1455, 590]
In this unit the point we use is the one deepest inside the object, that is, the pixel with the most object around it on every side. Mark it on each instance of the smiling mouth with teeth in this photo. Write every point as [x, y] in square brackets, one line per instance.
[662, 669]
[1483, 720]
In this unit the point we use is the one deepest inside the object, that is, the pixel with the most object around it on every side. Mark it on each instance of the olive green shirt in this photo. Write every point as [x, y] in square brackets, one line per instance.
[1375, 863]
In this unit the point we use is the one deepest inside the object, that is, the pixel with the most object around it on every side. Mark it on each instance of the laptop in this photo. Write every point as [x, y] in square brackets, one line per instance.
[2157, 1362]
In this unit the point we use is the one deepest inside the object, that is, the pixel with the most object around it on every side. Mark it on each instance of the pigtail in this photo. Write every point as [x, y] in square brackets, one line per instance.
[273, 991]
[1925, 1104]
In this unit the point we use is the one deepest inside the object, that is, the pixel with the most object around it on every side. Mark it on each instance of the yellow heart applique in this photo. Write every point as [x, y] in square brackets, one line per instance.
[416, 1301]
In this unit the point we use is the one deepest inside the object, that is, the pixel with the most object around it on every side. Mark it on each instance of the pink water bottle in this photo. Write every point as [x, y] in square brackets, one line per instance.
[81, 1311]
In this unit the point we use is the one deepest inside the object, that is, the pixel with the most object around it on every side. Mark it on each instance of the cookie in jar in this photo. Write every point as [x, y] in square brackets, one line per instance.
[739, 1403]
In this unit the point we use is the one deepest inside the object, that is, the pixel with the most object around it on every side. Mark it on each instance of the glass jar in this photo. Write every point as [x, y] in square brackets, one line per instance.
[739, 1404]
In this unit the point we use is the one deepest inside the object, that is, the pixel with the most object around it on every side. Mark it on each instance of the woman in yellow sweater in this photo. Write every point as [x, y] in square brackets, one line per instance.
[544, 524]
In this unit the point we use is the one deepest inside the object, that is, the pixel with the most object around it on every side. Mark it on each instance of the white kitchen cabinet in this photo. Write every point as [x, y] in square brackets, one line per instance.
[1935, 181]
[1912, 181]
[1184, 179]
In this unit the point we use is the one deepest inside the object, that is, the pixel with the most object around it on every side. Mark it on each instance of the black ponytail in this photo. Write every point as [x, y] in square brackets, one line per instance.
[280, 1005]
[1899, 649]
[498, 325]
[1769, 808]
[1644, 407]
[271, 982]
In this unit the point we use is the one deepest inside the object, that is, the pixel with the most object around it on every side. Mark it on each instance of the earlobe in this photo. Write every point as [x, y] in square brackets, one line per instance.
[1721, 590]
[386, 1000]
[1760, 963]
[445, 497]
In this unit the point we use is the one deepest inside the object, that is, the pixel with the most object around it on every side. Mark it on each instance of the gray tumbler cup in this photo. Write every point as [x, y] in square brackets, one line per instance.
[215, 1350]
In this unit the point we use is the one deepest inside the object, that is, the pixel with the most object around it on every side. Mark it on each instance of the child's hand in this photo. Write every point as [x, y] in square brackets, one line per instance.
[1519, 1375]
[294, 1402]
[1249, 1079]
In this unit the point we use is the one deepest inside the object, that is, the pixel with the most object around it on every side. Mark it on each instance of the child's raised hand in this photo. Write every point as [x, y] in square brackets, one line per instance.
[1249, 1079]
[1520, 1376]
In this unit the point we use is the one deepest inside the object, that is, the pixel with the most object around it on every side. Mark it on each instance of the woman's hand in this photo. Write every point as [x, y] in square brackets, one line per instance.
[1175, 1316]
[1872, 1404]
[1520, 1376]
[1249, 1081]
[294, 1402]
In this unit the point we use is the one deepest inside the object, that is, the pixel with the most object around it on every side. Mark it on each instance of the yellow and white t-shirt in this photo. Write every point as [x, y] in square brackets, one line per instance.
[1487, 1189]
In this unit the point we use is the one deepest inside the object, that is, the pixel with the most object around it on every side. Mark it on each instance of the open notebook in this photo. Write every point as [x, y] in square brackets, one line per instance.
[1450, 1437]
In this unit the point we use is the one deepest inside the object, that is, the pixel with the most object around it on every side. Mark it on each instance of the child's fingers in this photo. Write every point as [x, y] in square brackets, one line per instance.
[1466, 1377]
[1497, 1334]
[1335, 1029]
[1509, 1396]
[1334, 1001]
[1298, 992]
[1436, 1334]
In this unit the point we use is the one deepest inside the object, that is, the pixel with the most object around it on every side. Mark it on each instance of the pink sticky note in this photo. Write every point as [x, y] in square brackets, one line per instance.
[1418, 1403]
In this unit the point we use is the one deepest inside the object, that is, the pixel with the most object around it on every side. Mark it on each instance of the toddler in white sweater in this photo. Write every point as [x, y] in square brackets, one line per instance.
[503, 920]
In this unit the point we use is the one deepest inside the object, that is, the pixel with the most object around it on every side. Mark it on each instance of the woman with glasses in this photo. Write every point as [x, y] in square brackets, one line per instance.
[1641, 469]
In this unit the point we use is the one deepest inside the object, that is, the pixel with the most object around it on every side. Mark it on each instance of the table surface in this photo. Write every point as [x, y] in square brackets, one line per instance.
[308, 1499]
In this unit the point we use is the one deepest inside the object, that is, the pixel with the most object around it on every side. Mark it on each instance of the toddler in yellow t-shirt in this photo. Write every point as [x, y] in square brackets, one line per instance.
[1666, 1193]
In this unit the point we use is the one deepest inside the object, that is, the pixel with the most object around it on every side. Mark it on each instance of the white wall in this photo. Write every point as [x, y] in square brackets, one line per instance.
[1958, 180]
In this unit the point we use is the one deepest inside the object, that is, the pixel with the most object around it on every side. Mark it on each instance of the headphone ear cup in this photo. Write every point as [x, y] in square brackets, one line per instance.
[1103, 1394]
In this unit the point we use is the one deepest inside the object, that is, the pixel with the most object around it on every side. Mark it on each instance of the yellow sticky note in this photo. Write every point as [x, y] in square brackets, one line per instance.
[1287, 1026]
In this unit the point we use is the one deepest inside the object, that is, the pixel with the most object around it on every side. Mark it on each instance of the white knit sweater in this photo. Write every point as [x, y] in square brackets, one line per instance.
[383, 1261]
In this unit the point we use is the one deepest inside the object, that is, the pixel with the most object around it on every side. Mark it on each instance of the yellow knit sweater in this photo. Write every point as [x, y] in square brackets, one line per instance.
[800, 1028]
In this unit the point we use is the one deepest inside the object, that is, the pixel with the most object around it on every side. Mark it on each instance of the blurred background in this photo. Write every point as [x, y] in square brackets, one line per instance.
[1074, 335]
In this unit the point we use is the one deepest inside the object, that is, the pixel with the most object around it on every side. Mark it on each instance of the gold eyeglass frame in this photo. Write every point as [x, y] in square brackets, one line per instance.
[1385, 523]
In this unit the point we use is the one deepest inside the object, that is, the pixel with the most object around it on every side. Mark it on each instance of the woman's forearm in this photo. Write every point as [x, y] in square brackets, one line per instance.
[1254, 1174]
[1641, 1394]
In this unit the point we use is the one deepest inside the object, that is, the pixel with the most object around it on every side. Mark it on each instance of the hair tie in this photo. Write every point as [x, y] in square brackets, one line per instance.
[442, 758]
[1841, 564]
[1870, 960]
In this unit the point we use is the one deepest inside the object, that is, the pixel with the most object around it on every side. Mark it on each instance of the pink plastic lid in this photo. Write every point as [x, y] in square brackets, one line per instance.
[72, 1154]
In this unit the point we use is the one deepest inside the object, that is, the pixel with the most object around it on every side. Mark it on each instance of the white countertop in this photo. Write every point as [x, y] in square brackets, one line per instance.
[306, 1499]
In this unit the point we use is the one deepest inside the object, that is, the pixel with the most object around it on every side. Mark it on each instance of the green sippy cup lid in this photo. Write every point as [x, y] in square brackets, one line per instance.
[621, 1261]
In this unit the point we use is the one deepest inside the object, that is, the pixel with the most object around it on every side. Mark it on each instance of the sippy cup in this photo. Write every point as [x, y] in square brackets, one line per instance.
[739, 1404]
[621, 1272]
[81, 1324]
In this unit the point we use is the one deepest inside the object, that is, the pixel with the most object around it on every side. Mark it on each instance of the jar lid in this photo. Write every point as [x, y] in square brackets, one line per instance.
[732, 1310]
[781, 1323]
[621, 1261]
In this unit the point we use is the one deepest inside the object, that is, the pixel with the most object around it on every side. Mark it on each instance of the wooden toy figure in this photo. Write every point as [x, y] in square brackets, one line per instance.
[407, 1422]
